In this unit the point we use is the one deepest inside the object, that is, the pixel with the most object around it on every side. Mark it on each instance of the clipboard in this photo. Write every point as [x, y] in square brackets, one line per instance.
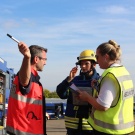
[73, 88]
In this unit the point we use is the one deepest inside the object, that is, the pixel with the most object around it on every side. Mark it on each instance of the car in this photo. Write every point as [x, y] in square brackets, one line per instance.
[47, 116]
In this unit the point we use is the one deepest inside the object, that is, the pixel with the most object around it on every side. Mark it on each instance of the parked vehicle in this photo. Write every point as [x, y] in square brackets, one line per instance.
[52, 105]
[6, 79]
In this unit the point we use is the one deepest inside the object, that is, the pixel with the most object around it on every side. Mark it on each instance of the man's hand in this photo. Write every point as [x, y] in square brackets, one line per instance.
[24, 49]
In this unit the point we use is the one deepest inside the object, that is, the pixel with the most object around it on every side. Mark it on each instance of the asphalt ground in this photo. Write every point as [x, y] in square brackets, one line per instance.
[55, 127]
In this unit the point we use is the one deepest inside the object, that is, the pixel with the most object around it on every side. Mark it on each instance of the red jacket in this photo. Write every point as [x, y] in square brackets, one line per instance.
[25, 112]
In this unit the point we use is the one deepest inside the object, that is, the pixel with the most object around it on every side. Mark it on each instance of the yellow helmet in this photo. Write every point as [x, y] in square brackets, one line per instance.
[87, 55]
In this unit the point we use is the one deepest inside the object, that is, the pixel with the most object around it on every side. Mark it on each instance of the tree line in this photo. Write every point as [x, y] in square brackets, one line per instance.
[49, 94]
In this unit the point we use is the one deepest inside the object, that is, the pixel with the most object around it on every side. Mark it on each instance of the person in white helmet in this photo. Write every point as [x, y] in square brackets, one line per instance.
[77, 112]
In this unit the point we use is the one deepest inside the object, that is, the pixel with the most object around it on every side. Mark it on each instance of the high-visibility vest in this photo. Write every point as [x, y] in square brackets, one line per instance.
[117, 119]
[25, 112]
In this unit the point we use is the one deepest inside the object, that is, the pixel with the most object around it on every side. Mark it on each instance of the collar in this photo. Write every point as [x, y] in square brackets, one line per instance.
[34, 71]
[115, 65]
[86, 76]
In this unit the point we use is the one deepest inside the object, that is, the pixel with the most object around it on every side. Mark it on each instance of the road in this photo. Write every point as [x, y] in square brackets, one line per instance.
[56, 127]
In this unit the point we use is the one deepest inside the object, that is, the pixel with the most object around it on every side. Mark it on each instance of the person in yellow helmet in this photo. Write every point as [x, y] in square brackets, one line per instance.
[77, 112]
[113, 108]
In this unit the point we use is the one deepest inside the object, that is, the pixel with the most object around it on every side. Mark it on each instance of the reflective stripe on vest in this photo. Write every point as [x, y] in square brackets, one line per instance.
[115, 120]
[74, 122]
[25, 99]
[18, 132]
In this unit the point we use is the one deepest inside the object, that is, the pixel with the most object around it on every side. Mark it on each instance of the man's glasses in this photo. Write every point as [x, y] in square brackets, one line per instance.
[42, 58]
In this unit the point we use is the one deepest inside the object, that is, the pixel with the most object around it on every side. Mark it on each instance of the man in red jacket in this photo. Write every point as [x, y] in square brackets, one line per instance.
[26, 102]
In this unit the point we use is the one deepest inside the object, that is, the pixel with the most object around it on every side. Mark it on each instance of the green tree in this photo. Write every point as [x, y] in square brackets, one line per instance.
[53, 95]
[46, 93]
[49, 94]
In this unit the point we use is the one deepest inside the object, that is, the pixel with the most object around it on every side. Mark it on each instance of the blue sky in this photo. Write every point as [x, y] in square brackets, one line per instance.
[66, 28]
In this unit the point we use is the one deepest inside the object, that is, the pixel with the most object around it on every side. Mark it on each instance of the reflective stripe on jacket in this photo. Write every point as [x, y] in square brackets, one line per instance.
[74, 122]
[25, 112]
[119, 118]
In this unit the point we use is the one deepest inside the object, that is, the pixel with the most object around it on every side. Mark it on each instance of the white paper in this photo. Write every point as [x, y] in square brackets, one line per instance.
[73, 87]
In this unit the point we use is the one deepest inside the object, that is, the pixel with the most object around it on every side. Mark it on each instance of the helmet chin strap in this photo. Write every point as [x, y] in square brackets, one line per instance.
[88, 72]
[85, 73]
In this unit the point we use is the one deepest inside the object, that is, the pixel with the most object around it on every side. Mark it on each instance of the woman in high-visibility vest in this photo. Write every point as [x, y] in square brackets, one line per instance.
[113, 108]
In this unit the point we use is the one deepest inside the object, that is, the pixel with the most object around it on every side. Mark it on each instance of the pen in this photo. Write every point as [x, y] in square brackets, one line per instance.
[13, 38]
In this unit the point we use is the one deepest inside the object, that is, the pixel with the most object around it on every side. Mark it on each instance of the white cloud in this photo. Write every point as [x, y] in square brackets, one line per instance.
[66, 36]
[10, 24]
[114, 10]
[6, 11]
